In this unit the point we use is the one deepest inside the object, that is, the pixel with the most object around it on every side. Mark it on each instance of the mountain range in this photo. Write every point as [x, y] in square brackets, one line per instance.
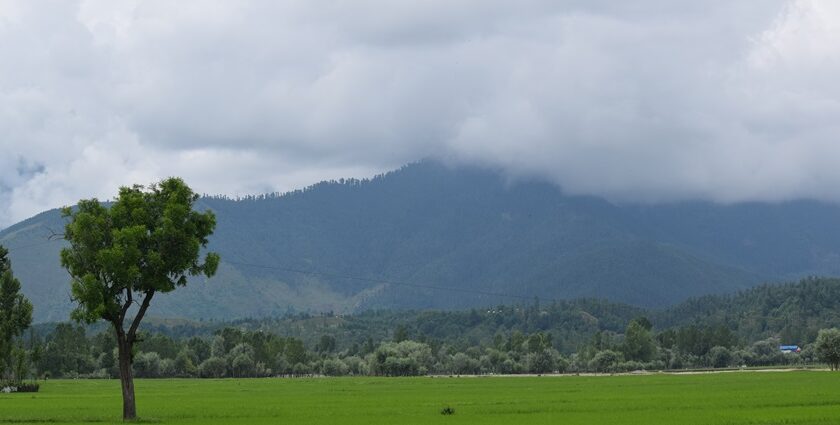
[431, 236]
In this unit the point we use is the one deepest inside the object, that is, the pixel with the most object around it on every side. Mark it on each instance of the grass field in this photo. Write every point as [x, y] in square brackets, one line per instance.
[722, 398]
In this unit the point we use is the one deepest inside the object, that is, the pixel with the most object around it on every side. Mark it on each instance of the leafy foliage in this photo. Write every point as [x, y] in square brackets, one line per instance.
[146, 242]
[828, 347]
[15, 317]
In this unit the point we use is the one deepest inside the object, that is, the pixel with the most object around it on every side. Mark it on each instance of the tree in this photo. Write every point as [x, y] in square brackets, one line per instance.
[720, 356]
[543, 361]
[326, 344]
[638, 341]
[147, 365]
[242, 360]
[295, 352]
[214, 367]
[407, 358]
[828, 347]
[148, 241]
[605, 361]
[400, 334]
[15, 313]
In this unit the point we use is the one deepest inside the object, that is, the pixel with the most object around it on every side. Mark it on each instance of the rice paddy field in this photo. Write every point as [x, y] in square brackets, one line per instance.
[805, 397]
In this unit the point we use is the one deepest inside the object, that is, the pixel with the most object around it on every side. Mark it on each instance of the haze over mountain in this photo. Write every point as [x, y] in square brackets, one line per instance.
[469, 229]
[647, 100]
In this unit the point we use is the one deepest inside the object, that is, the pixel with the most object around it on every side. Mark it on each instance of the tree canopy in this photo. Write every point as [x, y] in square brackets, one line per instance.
[828, 347]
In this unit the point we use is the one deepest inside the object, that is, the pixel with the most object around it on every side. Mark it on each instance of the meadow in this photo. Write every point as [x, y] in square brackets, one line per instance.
[805, 397]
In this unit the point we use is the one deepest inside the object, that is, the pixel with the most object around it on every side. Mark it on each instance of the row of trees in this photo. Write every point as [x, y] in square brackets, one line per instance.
[231, 352]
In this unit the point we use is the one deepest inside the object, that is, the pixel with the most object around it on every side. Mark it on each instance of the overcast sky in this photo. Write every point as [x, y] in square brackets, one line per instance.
[649, 100]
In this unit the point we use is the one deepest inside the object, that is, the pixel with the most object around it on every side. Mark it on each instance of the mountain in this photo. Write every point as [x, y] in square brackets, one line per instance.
[386, 242]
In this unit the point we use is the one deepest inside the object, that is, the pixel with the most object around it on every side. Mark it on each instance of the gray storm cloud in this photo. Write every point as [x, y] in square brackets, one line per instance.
[646, 101]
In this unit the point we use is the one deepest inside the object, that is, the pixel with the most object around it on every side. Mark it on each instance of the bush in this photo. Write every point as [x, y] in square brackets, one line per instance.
[183, 364]
[462, 364]
[301, 369]
[167, 368]
[720, 357]
[828, 347]
[19, 387]
[655, 365]
[356, 366]
[214, 367]
[605, 361]
[543, 361]
[243, 365]
[406, 358]
[147, 365]
[766, 352]
[334, 367]
[629, 366]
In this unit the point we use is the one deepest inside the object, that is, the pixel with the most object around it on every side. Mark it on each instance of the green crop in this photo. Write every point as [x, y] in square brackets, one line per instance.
[720, 398]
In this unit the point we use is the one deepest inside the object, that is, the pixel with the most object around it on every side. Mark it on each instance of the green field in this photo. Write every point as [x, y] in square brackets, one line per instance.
[723, 398]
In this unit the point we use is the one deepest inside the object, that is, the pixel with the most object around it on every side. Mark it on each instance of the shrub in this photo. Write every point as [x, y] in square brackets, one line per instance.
[356, 366]
[828, 347]
[406, 358]
[19, 387]
[334, 367]
[167, 368]
[629, 366]
[214, 367]
[720, 357]
[147, 365]
[463, 364]
[301, 369]
[605, 361]
[183, 364]
[543, 361]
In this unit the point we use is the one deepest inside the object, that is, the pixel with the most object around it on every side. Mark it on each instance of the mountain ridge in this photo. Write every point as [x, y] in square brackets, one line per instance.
[468, 228]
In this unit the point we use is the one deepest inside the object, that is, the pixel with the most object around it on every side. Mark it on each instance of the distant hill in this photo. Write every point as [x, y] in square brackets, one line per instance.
[468, 229]
[792, 312]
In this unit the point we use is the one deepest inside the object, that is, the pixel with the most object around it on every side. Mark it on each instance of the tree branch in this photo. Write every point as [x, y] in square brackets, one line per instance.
[126, 305]
[132, 331]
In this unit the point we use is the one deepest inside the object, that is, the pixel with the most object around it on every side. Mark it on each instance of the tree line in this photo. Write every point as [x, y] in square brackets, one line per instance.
[557, 337]
[69, 352]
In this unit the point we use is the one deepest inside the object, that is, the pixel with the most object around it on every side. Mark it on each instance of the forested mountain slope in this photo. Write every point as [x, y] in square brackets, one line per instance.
[791, 312]
[464, 228]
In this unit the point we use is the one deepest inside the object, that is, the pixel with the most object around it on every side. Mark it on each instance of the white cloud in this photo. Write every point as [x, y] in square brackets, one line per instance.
[649, 100]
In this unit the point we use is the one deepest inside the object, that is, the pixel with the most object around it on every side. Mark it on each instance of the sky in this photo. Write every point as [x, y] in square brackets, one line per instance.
[643, 101]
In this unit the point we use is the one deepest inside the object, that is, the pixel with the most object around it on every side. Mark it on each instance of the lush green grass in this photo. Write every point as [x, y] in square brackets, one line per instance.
[724, 398]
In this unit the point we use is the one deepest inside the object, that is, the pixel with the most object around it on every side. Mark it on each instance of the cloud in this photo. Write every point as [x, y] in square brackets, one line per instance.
[643, 101]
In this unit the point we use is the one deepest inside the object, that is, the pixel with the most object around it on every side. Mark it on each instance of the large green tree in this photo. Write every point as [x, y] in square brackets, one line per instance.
[828, 347]
[15, 313]
[638, 341]
[147, 241]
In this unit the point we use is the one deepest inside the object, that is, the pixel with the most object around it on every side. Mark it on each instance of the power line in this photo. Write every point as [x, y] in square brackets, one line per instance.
[384, 281]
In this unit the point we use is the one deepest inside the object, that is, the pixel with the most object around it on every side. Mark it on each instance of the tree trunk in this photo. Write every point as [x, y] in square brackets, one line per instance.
[126, 379]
